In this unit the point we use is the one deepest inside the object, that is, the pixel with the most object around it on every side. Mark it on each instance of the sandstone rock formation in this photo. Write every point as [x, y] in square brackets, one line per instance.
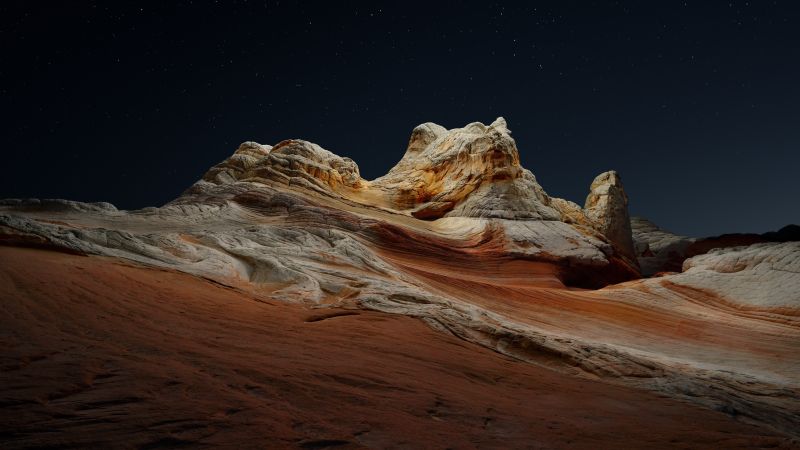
[462, 237]
[466, 172]
[607, 207]
[762, 275]
[471, 172]
[658, 250]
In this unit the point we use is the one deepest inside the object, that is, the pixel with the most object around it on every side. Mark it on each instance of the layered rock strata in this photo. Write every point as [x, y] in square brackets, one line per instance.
[459, 235]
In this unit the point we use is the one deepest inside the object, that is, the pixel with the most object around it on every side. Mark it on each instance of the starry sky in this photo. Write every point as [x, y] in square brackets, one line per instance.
[695, 103]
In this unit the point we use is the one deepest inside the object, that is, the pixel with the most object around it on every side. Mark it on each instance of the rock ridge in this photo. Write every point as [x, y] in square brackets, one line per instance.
[469, 172]
[459, 235]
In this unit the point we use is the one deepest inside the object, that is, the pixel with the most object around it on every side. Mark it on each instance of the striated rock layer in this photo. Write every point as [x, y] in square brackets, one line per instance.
[459, 235]
[136, 357]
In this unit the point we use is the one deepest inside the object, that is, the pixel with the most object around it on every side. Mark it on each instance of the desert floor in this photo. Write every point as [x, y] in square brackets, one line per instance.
[100, 352]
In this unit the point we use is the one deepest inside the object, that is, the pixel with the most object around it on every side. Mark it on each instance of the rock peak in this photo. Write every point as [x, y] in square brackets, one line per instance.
[500, 124]
[468, 172]
[473, 171]
[607, 207]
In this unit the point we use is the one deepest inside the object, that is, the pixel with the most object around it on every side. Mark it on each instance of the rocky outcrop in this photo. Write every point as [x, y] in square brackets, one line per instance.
[237, 165]
[459, 235]
[465, 172]
[290, 162]
[472, 173]
[55, 205]
[765, 275]
[658, 250]
[607, 208]
[661, 251]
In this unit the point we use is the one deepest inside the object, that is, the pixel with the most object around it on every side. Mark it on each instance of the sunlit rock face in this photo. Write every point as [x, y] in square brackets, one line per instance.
[607, 207]
[235, 167]
[292, 161]
[465, 172]
[472, 173]
[460, 235]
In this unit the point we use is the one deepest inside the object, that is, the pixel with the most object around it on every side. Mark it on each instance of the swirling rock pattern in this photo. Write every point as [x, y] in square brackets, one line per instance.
[459, 235]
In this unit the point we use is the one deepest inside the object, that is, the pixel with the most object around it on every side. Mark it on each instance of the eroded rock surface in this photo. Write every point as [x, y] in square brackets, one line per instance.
[459, 235]
[607, 207]
[765, 275]
[165, 359]
[658, 250]
[474, 169]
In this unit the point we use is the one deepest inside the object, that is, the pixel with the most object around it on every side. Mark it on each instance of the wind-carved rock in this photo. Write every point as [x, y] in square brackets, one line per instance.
[301, 161]
[490, 262]
[607, 208]
[472, 171]
[290, 162]
[233, 168]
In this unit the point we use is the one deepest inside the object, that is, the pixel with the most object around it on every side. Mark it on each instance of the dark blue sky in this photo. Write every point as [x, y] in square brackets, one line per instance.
[695, 103]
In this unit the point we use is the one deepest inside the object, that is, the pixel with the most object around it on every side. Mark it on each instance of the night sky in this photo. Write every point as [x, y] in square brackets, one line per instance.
[696, 104]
